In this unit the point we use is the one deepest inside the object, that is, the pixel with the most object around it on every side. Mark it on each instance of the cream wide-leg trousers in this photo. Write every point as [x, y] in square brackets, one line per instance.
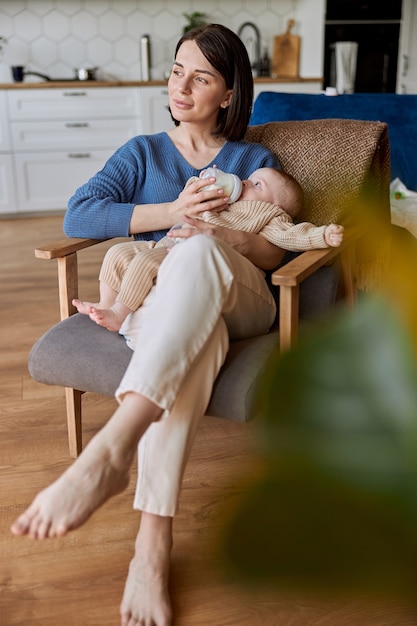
[206, 293]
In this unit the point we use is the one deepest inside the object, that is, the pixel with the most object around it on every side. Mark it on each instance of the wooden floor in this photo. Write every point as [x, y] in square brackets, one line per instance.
[78, 580]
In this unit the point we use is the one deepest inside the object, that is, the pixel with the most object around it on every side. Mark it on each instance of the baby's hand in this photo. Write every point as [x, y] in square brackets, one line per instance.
[334, 235]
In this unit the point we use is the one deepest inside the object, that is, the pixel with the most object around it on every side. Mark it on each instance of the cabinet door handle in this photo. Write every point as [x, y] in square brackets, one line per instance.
[74, 93]
[79, 155]
[405, 64]
[76, 125]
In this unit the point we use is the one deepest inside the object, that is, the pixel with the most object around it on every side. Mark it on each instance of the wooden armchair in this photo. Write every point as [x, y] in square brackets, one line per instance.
[334, 160]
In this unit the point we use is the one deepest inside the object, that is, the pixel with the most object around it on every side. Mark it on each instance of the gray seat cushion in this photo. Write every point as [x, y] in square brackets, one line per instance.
[79, 354]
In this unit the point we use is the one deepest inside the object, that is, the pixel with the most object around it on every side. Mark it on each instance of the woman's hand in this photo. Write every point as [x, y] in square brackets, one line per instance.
[254, 247]
[193, 200]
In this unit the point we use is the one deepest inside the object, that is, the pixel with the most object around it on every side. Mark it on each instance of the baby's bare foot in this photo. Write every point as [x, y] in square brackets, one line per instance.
[107, 318]
[83, 307]
[65, 505]
[146, 597]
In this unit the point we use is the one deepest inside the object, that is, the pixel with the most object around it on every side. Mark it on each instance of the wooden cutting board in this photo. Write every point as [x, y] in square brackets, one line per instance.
[286, 54]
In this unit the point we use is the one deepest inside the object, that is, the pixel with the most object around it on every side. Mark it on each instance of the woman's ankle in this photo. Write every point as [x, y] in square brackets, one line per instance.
[155, 533]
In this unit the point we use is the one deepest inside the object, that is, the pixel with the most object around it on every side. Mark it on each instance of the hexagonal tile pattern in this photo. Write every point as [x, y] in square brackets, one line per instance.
[27, 26]
[12, 7]
[44, 52]
[84, 26]
[99, 51]
[41, 8]
[57, 35]
[56, 25]
[111, 26]
[72, 50]
[70, 7]
[125, 52]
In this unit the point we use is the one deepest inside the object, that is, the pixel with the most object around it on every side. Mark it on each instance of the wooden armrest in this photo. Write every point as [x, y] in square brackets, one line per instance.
[290, 276]
[294, 272]
[64, 247]
[300, 268]
[65, 252]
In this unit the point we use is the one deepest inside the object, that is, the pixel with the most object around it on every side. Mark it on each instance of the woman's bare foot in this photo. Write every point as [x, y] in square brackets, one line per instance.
[146, 597]
[100, 472]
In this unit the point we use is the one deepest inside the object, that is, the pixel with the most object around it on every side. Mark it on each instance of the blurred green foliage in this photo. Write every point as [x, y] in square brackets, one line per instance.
[193, 20]
[336, 506]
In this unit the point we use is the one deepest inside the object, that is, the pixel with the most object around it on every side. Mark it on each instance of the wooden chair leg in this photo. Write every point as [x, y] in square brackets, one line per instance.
[73, 400]
[289, 298]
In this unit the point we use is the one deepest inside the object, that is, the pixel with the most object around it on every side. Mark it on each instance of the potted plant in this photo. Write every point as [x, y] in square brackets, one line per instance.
[3, 42]
[194, 19]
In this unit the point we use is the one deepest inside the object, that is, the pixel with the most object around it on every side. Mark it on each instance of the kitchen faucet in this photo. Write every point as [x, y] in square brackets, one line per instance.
[255, 39]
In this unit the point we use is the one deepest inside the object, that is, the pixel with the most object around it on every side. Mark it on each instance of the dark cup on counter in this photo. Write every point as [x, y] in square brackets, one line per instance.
[18, 72]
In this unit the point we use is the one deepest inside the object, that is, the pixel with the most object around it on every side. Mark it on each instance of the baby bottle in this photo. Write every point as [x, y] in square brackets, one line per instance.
[231, 184]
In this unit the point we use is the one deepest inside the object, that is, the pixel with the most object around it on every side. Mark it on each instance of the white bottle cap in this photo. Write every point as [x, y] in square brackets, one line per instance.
[237, 189]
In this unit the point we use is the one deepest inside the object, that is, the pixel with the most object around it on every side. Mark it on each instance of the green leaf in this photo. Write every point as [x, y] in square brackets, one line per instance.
[346, 399]
[193, 20]
[337, 506]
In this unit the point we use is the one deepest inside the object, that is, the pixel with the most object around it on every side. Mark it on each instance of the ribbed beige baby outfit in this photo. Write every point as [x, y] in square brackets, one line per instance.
[131, 268]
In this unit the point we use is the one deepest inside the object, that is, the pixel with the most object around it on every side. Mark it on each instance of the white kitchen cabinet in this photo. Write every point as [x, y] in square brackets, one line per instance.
[74, 103]
[56, 135]
[155, 115]
[62, 137]
[4, 130]
[7, 179]
[48, 179]
[7, 185]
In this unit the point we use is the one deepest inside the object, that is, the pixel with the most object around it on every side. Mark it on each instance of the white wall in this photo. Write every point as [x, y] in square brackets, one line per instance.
[56, 36]
[310, 16]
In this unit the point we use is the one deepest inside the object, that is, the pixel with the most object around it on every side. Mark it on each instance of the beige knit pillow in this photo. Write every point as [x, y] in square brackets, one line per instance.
[333, 160]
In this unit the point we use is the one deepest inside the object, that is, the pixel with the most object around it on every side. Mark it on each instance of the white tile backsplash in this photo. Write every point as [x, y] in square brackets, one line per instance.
[55, 36]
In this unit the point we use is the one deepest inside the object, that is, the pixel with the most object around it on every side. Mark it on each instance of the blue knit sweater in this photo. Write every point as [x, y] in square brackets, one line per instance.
[148, 169]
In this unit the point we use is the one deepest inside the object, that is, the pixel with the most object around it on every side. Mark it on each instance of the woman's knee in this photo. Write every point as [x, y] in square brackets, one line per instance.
[196, 255]
[199, 247]
[203, 243]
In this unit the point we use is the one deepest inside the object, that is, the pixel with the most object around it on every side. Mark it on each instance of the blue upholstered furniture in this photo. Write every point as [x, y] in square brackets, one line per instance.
[398, 111]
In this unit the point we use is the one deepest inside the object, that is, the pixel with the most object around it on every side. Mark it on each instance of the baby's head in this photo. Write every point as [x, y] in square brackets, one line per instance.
[275, 186]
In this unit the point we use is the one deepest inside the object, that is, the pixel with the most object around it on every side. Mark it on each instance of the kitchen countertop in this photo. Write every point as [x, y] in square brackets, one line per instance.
[75, 84]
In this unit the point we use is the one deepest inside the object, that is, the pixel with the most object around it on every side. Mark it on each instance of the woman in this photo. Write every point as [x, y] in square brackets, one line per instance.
[209, 289]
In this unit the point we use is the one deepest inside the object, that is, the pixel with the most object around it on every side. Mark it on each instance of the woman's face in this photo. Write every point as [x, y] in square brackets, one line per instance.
[196, 90]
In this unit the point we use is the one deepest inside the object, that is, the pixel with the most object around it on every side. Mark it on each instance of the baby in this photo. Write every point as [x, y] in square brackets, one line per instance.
[269, 200]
